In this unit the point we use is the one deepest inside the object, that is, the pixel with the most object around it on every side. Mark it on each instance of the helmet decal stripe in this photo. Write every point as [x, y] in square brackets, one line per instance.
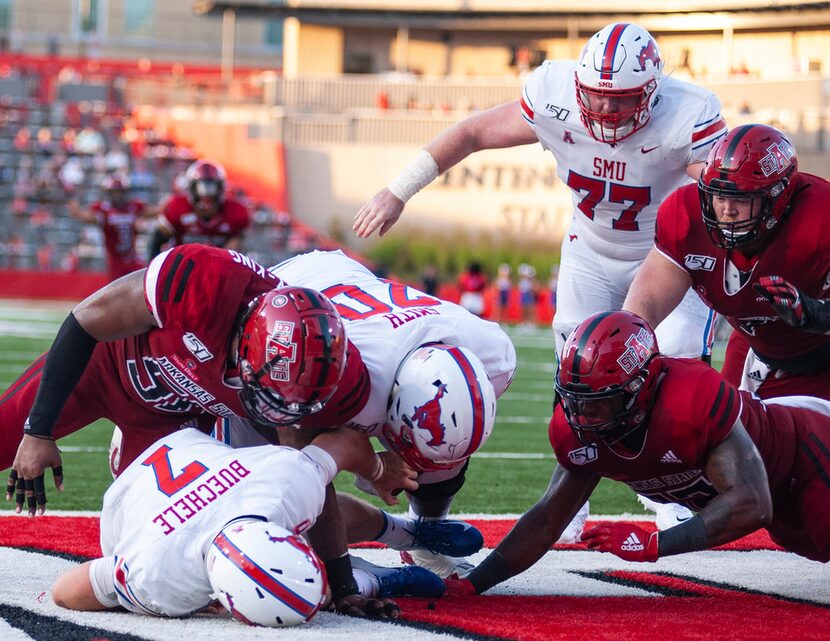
[583, 342]
[726, 163]
[263, 578]
[476, 396]
[610, 51]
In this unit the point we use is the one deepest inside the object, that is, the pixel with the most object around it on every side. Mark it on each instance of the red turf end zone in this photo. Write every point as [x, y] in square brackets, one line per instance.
[78, 535]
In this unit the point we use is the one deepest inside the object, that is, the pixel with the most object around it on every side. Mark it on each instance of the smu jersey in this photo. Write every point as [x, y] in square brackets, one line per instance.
[617, 188]
[118, 226]
[694, 412]
[161, 515]
[798, 250]
[187, 226]
[387, 320]
[195, 294]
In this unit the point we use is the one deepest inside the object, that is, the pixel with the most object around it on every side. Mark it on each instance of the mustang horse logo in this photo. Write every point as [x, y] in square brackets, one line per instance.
[428, 417]
[649, 52]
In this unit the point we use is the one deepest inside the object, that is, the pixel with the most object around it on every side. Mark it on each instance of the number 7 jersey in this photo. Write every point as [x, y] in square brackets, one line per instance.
[616, 189]
[386, 320]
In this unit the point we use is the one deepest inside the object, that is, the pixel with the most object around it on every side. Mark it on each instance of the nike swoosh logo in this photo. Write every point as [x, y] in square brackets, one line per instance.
[649, 150]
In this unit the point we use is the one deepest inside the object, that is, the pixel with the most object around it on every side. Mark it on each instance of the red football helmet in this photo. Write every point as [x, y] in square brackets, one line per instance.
[607, 377]
[292, 353]
[116, 187]
[205, 186]
[753, 162]
[617, 78]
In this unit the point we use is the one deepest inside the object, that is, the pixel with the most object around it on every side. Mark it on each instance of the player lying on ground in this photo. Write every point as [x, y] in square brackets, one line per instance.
[192, 520]
[673, 430]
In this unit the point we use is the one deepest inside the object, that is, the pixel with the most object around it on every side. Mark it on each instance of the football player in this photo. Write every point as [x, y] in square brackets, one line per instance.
[118, 216]
[435, 371]
[225, 524]
[752, 238]
[624, 137]
[203, 214]
[674, 430]
[201, 332]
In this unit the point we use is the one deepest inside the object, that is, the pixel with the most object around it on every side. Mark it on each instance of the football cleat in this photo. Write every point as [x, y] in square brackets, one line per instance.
[441, 564]
[668, 514]
[409, 580]
[453, 538]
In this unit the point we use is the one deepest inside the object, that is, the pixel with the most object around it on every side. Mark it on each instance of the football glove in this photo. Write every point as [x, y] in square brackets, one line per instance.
[629, 542]
[459, 587]
[794, 306]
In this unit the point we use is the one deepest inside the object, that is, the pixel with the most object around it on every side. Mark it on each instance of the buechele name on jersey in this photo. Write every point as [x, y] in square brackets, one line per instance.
[182, 510]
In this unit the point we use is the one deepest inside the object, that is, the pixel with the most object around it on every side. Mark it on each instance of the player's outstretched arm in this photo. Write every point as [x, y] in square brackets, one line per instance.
[116, 311]
[73, 590]
[532, 536]
[657, 289]
[499, 127]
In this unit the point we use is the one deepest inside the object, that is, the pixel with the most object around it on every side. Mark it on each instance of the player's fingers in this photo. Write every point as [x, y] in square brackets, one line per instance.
[29, 487]
[57, 472]
[19, 495]
[11, 484]
[40, 493]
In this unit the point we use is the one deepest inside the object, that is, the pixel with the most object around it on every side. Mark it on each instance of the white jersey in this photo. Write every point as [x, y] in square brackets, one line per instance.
[162, 513]
[618, 188]
[387, 320]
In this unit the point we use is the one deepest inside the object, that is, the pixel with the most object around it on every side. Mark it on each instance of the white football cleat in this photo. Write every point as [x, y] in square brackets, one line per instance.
[573, 532]
[441, 564]
[668, 514]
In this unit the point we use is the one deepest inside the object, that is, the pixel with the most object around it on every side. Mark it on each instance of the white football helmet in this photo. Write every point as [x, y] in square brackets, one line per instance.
[617, 78]
[264, 575]
[442, 407]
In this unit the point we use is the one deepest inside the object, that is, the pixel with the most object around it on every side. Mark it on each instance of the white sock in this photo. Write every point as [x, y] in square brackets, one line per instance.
[396, 531]
[367, 584]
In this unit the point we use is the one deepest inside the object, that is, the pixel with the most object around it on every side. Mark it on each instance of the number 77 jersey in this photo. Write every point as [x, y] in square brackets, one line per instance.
[616, 189]
[386, 320]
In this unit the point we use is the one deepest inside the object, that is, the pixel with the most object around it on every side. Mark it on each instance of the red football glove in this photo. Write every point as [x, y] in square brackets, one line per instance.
[628, 542]
[459, 587]
[785, 298]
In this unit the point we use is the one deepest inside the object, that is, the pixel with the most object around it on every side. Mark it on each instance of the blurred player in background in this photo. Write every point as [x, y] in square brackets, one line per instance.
[753, 239]
[624, 137]
[203, 214]
[119, 218]
[674, 430]
[226, 524]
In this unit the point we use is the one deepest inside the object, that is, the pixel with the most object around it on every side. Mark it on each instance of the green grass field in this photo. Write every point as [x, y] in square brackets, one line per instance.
[510, 473]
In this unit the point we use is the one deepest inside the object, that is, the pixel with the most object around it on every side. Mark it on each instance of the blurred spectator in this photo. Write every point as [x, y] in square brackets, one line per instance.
[527, 294]
[382, 101]
[89, 141]
[430, 280]
[472, 284]
[553, 283]
[504, 283]
[71, 174]
[119, 218]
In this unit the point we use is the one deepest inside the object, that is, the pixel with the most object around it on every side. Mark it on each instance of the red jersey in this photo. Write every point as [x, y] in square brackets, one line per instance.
[186, 226]
[469, 282]
[798, 250]
[119, 227]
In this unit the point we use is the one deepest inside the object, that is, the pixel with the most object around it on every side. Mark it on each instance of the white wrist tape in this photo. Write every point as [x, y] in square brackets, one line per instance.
[415, 177]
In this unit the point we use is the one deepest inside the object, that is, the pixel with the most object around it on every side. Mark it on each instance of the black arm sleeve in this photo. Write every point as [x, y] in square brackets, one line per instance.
[491, 571]
[689, 536]
[818, 315]
[156, 241]
[65, 363]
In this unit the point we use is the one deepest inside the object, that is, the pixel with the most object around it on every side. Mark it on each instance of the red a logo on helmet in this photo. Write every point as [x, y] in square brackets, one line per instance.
[649, 52]
[639, 350]
[778, 158]
[279, 344]
[428, 417]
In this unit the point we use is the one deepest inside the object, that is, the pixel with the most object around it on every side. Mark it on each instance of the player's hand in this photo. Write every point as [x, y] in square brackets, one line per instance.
[397, 476]
[628, 542]
[459, 587]
[26, 480]
[355, 605]
[786, 299]
[382, 211]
